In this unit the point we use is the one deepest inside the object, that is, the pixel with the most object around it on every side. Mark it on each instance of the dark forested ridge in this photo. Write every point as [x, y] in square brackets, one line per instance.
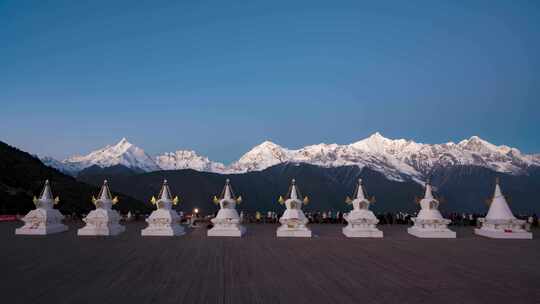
[326, 187]
[464, 188]
[22, 176]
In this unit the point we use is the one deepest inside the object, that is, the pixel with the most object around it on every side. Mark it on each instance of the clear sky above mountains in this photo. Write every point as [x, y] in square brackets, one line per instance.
[220, 77]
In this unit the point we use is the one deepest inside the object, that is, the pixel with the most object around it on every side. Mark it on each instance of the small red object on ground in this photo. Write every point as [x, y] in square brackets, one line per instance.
[7, 218]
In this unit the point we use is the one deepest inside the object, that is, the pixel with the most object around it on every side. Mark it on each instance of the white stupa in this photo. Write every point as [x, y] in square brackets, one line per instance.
[499, 222]
[164, 221]
[361, 221]
[429, 222]
[44, 219]
[103, 220]
[293, 221]
[227, 221]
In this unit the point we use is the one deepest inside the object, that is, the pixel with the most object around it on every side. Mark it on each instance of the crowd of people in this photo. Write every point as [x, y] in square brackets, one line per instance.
[388, 218]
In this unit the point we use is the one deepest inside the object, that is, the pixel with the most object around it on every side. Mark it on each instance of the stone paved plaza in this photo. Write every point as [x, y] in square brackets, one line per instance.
[260, 268]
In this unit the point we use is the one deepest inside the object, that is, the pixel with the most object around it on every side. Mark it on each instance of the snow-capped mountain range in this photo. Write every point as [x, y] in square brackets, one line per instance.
[397, 159]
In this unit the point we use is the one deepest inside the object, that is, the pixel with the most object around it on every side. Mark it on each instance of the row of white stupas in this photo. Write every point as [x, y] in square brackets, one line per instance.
[361, 222]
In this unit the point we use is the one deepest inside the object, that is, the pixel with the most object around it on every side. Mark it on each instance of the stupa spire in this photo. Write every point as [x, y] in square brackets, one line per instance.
[429, 193]
[360, 191]
[105, 192]
[46, 193]
[165, 193]
[498, 192]
[294, 191]
[227, 192]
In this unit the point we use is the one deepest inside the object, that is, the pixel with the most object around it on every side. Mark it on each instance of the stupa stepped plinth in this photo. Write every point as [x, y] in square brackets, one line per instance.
[44, 219]
[227, 220]
[429, 222]
[500, 222]
[164, 221]
[103, 220]
[293, 221]
[361, 222]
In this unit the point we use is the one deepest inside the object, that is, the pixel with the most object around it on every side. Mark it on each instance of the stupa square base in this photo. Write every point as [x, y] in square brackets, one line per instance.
[234, 231]
[365, 233]
[519, 235]
[293, 232]
[49, 229]
[435, 234]
[172, 231]
[105, 231]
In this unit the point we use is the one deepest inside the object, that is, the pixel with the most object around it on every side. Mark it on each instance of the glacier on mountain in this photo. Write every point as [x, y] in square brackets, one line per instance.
[123, 153]
[185, 159]
[397, 159]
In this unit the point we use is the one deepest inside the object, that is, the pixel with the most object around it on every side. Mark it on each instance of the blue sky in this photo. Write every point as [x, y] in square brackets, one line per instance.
[220, 77]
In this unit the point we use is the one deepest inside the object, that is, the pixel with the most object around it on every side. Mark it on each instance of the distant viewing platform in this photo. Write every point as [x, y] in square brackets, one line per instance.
[260, 268]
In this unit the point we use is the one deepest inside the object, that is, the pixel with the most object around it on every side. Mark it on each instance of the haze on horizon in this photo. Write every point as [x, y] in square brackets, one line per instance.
[220, 77]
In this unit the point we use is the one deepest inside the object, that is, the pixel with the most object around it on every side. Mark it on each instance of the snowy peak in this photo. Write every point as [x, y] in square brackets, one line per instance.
[123, 145]
[265, 155]
[187, 159]
[267, 144]
[376, 143]
[375, 138]
[123, 153]
[267, 147]
[476, 144]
